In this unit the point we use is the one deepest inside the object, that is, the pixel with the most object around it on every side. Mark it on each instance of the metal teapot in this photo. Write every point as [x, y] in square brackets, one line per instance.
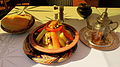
[100, 34]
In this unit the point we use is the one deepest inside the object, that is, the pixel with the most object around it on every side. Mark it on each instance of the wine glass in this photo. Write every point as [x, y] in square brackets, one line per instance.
[84, 10]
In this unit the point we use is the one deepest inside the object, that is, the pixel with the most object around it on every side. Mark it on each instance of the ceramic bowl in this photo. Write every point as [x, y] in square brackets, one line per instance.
[49, 56]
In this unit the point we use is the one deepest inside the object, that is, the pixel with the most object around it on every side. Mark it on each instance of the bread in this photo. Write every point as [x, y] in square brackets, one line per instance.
[15, 22]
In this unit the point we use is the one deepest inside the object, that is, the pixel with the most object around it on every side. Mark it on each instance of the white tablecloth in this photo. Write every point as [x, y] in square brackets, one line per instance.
[11, 46]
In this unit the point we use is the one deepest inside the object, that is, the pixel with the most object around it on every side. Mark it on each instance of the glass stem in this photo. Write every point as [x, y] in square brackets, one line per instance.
[88, 24]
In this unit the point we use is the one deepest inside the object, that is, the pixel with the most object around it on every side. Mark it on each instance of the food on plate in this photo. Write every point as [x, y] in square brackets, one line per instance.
[54, 35]
[17, 23]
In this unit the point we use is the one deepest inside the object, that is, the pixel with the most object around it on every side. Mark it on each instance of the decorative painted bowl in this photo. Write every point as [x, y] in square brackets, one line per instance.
[49, 56]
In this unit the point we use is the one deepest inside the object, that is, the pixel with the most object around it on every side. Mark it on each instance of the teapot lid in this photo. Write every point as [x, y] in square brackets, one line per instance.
[103, 18]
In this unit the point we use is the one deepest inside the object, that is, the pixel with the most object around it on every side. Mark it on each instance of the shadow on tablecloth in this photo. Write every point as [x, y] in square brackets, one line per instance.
[11, 49]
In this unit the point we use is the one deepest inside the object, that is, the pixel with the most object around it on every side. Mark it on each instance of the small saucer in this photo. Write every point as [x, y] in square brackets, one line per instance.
[115, 44]
[46, 58]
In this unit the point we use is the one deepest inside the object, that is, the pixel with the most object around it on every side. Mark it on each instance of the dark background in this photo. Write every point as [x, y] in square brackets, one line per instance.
[5, 7]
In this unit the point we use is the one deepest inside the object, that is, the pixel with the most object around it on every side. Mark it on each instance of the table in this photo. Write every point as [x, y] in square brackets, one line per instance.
[11, 46]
